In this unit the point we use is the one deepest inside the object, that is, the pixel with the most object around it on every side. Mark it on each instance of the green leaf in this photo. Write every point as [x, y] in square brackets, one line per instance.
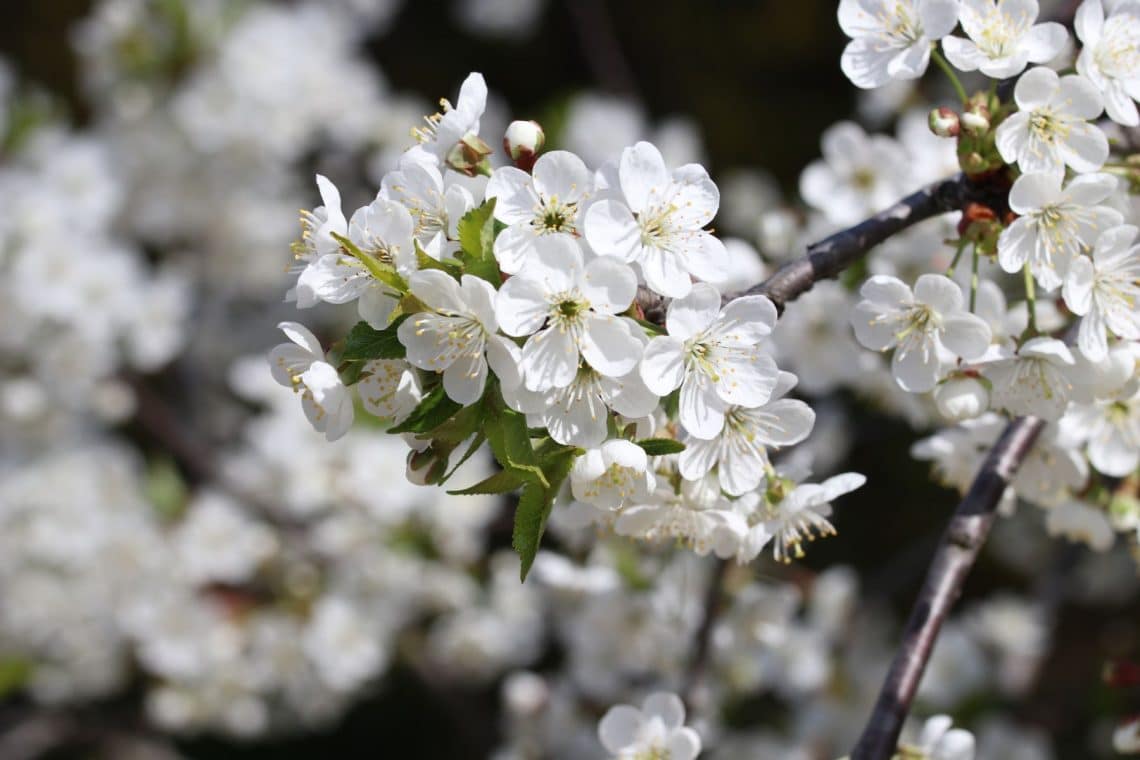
[656, 447]
[460, 426]
[385, 273]
[650, 327]
[14, 673]
[479, 439]
[509, 438]
[365, 342]
[534, 507]
[425, 261]
[503, 481]
[434, 410]
[477, 243]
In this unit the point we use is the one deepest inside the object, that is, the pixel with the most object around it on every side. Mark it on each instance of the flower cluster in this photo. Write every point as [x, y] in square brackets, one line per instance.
[505, 306]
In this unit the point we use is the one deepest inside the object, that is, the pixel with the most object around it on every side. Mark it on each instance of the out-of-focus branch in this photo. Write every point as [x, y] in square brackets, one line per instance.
[967, 532]
[702, 642]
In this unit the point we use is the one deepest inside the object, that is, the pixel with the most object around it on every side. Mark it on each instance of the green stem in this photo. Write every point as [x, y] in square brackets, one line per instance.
[950, 74]
[957, 255]
[1031, 299]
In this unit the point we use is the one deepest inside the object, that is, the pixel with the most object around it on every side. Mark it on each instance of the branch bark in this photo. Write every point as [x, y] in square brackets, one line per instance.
[967, 532]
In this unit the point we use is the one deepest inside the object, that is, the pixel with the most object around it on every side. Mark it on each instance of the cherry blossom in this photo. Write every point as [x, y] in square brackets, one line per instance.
[891, 39]
[457, 337]
[1056, 224]
[1003, 37]
[920, 326]
[1104, 288]
[658, 222]
[301, 365]
[1051, 127]
[548, 201]
[569, 309]
[712, 354]
[656, 730]
[1110, 58]
[612, 474]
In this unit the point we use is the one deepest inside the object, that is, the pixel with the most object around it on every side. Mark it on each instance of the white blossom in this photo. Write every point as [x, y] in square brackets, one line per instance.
[1055, 224]
[938, 741]
[301, 365]
[547, 201]
[569, 309]
[1051, 127]
[713, 355]
[857, 176]
[458, 336]
[389, 389]
[436, 203]
[442, 131]
[612, 474]
[656, 730]
[920, 326]
[1105, 288]
[891, 39]
[658, 222]
[1003, 37]
[1110, 57]
[1079, 521]
[739, 451]
[1037, 380]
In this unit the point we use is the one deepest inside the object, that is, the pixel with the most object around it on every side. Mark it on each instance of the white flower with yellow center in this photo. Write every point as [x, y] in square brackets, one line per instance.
[1052, 127]
[545, 202]
[1003, 37]
[389, 389]
[1056, 224]
[791, 514]
[1110, 57]
[443, 130]
[578, 414]
[435, 203]
[740, 451]
[658, 223]
[655, 732]
[1105, 289]
[1037, 380]
[1112, 428]
[301, 365]
[612, 475]
[569, 309]
[922, 327]
[458, 336]
[713, 355]
[891, 39]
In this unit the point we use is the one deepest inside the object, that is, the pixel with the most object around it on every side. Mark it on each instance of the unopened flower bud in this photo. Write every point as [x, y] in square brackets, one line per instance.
[522, 142]
[961, 398]
[426, 467]
[976, 119]
[467, 155]
[944, 122]
[974, 163]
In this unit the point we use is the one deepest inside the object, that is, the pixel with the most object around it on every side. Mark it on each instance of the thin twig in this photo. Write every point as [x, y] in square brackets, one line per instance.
[964, 537]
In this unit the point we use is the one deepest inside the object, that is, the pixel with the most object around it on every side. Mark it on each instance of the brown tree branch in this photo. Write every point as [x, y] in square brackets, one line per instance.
[968, 529]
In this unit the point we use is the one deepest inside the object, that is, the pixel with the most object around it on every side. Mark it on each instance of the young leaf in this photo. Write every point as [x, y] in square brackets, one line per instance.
[434, 410]
[425, 261]
[656, 447]
[534, 507]
[365, 342]
[385, 273]
[503, 481]
[477, 243]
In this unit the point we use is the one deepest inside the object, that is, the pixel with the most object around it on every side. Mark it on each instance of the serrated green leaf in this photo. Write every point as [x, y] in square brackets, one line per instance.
[365, 342]
[509, 438]
[656, 447]
[460, 426]
[503, 481]
[434, 410]
[534, 507]
[477, 243]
